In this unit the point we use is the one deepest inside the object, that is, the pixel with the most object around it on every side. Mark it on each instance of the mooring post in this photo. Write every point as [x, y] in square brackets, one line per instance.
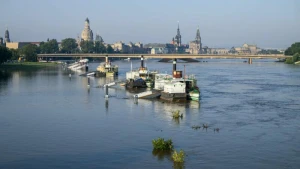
[250, 60]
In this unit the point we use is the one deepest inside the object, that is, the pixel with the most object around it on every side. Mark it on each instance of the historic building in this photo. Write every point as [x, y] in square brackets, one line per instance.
[98, 38]
[217, 51]
[7, 39]
[247, 49]
[87, 33]
[195, 47]
[177, 39]
[159, 50]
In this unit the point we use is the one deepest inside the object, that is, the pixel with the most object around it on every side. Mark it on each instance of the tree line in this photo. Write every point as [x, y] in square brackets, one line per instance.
[69, 45]
[293, 50]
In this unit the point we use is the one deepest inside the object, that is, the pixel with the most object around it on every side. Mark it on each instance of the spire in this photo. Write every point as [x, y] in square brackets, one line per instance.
[178, 30]
[198, 37]
[7, 39]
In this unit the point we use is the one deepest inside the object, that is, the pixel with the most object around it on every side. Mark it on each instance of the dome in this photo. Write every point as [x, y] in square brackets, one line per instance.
[87, 33]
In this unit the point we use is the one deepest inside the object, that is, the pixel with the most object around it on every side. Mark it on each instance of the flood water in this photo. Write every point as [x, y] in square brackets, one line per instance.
[51, 121]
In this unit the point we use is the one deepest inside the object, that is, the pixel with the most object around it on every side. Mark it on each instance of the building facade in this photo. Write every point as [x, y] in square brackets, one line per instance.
[87, 33]
[16, 45]
[195, 47]
[247, 49]
[217, 51]
[159, 50]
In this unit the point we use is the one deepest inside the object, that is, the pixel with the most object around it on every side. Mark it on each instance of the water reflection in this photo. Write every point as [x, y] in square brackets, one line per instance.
[4, 78]
[178, 165]
[106, 105]
[177, 120]
[161, 155]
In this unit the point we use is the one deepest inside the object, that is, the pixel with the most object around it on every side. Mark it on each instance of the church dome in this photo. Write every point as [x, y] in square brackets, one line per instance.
[87, 33]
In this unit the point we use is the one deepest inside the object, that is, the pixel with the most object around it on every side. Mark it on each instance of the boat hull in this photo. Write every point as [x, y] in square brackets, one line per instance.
[173, 96]
[139, 83]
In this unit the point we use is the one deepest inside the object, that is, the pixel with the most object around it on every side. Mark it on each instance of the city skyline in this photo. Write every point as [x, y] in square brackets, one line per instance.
[222, 24]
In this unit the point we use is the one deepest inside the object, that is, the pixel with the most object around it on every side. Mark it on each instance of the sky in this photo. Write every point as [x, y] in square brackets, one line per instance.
[266, 23]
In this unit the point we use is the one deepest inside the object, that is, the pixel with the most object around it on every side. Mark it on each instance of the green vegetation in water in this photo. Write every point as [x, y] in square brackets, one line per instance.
[292, 60]
[176, 114]
[178, 157]
[205, 126]
[26, 66]
[196, 127]
[161, 144]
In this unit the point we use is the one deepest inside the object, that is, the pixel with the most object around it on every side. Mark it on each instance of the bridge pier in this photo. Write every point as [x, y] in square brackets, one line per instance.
[250, 60]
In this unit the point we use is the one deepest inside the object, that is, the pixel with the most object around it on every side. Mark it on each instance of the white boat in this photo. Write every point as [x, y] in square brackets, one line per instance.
[83, 63]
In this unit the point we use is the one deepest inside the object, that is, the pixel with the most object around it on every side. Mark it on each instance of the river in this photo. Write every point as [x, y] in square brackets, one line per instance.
[48, 120]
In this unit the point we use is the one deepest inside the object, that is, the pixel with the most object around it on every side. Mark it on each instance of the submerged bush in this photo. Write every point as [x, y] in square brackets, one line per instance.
[161, 144]
[289, 61]
[196, 127]
[178, 157]
[176, 114]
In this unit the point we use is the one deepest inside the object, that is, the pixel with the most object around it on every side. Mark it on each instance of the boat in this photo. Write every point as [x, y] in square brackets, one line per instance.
[107, 69]
[177, 87]
[136, 83]
[81, 64]
[147, 95]
[174, 90]
[140, 78]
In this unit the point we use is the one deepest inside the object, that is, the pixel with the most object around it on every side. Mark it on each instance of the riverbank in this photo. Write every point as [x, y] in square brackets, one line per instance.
[26, 66]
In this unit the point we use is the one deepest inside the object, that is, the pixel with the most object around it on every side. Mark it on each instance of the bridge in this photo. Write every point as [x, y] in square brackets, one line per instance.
[161, 56]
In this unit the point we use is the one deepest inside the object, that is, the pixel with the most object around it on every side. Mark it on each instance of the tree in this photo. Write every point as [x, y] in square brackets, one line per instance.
[5, 54]
[68, 45]
[87, 46]
[296, 57]
[29, 52]
[109, 49]
[295, 48]
[99, 47]
[49, 46]
[15, 54]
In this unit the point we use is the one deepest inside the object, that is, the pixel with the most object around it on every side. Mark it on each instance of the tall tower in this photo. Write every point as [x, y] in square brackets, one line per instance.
[198, 41]
[177, 38]
[87, 33]
[7, 39]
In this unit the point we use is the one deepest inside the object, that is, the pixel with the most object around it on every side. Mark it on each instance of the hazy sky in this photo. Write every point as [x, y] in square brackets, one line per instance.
[222, 23]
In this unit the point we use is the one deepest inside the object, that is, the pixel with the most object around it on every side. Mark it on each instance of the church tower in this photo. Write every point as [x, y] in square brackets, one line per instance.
[7, 39]
[87, 33]
[198, 41]
[195, 47]
[177, 39]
